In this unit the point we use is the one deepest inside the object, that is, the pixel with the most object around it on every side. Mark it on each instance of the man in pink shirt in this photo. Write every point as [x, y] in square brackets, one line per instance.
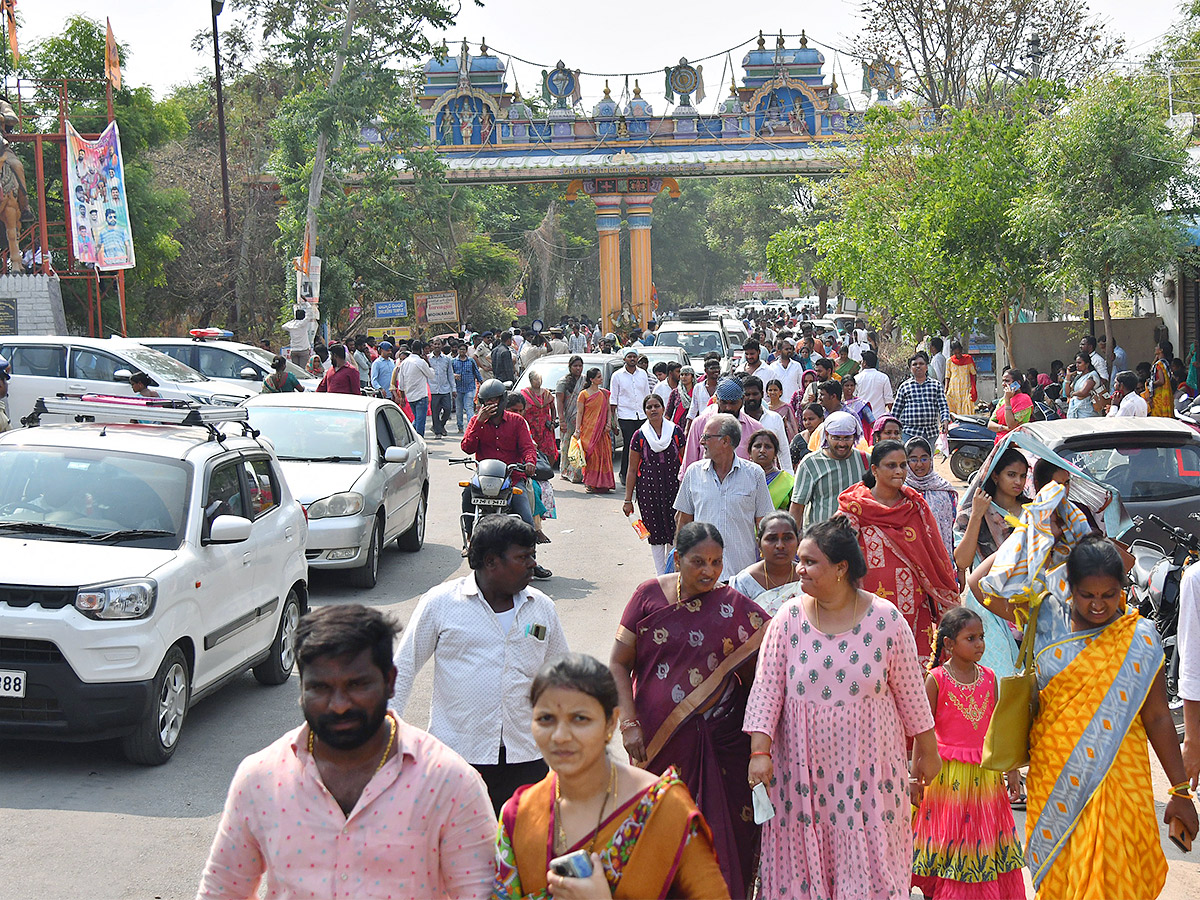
[356, 802]
[729, 398]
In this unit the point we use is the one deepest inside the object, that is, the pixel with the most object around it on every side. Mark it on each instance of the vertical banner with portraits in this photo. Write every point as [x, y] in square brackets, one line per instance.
[97, 207]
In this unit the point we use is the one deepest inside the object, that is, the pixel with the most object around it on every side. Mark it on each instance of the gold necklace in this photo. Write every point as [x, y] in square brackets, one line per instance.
[767, 575]
[386, 750]
[817, 613]
[560, 833]
[972, 710]
[963, 684]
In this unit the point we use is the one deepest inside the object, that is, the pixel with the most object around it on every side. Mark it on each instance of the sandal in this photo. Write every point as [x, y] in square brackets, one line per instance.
[542, 538]
[1018, 802]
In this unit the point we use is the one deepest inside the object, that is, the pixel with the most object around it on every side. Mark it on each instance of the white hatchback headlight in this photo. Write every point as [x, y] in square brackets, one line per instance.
[345, 504]
[123, 600]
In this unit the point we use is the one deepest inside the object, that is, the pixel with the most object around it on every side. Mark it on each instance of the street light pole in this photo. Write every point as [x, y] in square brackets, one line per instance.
[217, 6]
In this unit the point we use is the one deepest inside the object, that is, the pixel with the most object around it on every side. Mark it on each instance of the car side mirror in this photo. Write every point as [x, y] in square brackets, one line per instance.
[395, 455]
[229, 530]
[249, 373]
[122, 375]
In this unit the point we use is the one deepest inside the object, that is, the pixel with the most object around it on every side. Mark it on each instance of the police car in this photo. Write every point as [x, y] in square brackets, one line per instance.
[149, 557]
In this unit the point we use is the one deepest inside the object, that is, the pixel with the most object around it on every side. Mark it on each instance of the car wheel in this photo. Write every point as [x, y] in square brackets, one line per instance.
[414, 539]
[367, 574]
[157, 734]
[278, 667]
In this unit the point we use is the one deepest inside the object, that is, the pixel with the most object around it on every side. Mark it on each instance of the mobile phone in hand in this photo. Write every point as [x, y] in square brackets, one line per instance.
[1179, 836]
[573, 865]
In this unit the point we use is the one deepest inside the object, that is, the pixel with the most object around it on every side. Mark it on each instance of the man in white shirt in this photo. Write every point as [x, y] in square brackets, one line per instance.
[704, 389]
[752, 405]
[873, 386]
[410, 381]
[1087, 344]
[752, 363]
[939, 360]
[628, 389]
[492, 632]
[787, 370]
[1125, 398]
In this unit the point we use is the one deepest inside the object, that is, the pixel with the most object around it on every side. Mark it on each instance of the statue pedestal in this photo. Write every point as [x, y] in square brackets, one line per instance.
[31, 304]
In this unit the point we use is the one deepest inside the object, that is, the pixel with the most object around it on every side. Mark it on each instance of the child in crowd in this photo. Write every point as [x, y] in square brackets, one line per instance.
[966, 843]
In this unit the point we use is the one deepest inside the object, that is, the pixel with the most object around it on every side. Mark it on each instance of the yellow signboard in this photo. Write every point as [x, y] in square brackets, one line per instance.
[400, 332]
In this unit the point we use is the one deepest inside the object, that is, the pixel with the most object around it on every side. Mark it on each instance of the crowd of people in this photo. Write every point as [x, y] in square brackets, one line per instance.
[806, 689]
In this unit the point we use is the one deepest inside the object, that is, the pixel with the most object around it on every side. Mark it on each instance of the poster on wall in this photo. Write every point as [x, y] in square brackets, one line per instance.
[98, 209]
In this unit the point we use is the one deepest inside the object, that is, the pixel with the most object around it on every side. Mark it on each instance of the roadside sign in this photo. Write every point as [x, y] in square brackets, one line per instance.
[400, 332]
[391, 309]
[436, 306]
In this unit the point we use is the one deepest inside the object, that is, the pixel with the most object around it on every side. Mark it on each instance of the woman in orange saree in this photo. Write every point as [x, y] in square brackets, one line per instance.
[642, 832]
[1090, 827]
[594, 427]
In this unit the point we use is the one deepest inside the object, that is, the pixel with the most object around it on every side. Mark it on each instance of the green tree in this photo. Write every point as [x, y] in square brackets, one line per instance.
[1105, 168]
[918, 223]
[792, 254]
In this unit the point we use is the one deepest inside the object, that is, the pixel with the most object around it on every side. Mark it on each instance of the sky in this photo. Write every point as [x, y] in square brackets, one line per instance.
[616, 36]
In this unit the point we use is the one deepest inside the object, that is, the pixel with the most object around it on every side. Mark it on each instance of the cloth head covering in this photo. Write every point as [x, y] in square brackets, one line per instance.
[1043, 380]
[840, 424]
[1030, 560]
[879, 423]
[630, 351]
[729, 391]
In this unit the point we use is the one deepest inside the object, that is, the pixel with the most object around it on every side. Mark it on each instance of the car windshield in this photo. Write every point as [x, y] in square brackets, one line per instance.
[81, 495]
[161, 366]
[1143, 473]
[551, 372]
[696, 343]
[263, 358]
[314, 435]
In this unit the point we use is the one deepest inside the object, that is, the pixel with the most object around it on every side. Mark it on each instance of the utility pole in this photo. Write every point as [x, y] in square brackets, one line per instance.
[1034, 54]
[217, 6]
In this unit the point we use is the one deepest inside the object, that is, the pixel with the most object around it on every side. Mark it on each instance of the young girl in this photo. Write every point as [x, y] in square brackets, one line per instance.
[966, 843]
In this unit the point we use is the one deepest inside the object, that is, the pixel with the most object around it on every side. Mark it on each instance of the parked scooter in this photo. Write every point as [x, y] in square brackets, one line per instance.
[1156, 576]
[970, 442]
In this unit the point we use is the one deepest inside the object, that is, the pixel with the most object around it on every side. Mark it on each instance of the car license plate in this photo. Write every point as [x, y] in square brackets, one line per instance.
[490, 501]
[12, 683]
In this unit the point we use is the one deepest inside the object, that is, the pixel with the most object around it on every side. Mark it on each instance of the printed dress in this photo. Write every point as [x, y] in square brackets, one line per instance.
[838, 708]
[966, 845]
[657, 484]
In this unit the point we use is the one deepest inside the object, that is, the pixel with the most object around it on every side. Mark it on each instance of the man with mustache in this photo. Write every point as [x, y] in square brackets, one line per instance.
[352, 779]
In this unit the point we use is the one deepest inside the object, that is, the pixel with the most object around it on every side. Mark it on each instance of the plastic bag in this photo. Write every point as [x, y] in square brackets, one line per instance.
[943, 446]
[575, 453]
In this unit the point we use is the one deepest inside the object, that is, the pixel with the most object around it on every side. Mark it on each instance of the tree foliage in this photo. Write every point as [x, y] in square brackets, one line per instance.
[1106, 168]
[957, 52]
[917, 226]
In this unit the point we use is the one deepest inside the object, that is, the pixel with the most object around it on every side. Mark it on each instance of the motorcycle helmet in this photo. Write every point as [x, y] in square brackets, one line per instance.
[493, 389]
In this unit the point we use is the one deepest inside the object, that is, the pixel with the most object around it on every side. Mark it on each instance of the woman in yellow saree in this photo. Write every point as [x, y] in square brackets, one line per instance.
[1090, 829]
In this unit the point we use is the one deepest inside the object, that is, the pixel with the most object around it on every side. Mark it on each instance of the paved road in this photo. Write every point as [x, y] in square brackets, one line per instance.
[81, 822]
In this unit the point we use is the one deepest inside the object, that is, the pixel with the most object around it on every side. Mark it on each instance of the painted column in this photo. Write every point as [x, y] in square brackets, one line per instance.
[608, 224]
[639, 212]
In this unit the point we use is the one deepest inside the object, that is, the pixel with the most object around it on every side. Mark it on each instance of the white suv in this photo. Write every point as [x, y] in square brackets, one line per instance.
[45, 366]
[240, 364]
[144, 566]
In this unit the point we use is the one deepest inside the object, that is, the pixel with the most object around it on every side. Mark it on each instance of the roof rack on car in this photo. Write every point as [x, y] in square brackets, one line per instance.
[143, 410]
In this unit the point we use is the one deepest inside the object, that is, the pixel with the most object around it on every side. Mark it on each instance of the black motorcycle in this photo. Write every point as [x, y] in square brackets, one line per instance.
[1156, 577]
[492, 491]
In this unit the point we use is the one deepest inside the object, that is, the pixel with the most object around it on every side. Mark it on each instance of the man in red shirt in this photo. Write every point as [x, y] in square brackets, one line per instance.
[495, 433]
[341, 379]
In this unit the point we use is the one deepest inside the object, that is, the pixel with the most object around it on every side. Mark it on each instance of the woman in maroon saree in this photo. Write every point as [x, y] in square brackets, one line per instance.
[539, 413]
[683, 661]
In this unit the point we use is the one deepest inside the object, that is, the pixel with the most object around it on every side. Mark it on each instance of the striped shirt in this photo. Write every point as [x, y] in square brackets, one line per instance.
[819, 480]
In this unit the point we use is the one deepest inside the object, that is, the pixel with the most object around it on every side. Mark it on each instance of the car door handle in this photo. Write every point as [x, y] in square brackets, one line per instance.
[288, 533]
[246, 557]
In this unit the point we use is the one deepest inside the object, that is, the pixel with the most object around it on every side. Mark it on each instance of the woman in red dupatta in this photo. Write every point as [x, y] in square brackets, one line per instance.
[539, 413]
[907, 562]
[961, 392]
[593, 418]
[683, 661]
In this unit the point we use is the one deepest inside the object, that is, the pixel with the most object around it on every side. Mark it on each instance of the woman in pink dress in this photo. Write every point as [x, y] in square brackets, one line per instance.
[836, 690]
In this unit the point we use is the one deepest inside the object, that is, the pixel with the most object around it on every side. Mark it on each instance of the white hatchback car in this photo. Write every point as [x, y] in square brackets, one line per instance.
[144, 566]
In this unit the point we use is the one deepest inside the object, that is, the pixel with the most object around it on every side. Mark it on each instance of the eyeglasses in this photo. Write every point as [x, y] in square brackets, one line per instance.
[705, 438]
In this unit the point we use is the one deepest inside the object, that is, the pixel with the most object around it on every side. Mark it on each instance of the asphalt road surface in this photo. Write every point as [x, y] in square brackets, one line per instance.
[80, 822]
